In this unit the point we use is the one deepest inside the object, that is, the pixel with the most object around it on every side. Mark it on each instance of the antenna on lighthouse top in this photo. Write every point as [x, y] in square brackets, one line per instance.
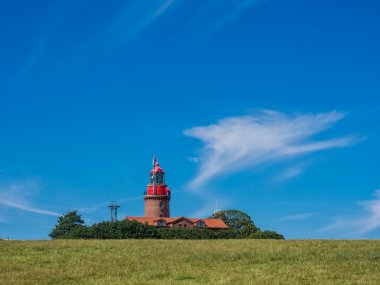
[154, 161]
[154, 174]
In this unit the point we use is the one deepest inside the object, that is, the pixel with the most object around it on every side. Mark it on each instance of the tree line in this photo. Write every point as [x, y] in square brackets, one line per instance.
[71, 226]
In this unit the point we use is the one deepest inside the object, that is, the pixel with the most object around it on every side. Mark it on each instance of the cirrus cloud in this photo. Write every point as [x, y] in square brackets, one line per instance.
[15, 195]
[295, 217]
[237, 143]
[367, 221]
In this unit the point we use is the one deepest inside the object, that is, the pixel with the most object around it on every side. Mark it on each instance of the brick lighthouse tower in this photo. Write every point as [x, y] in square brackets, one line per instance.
[157, 196]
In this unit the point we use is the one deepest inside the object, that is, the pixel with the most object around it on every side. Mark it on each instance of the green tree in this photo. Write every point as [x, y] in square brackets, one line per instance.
[237, 220]
[266, 235]
[68, 226]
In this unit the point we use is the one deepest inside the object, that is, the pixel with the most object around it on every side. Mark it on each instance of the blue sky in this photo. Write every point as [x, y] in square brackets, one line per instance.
[271, 107]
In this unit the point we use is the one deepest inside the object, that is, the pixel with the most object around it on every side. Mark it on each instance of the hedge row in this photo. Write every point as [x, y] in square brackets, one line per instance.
[136, 230]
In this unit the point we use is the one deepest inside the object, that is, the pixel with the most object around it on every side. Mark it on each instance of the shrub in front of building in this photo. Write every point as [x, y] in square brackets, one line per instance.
[71, 226]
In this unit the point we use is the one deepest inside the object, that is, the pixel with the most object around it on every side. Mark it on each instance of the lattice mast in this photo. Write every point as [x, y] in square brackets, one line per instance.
[113, 207]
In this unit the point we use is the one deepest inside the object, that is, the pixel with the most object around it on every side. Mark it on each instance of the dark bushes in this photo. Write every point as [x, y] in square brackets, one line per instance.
[122, 230]
[266, 235]
[70, 226]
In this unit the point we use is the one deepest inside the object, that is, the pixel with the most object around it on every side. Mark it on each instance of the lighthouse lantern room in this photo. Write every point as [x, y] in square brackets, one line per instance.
[157, 196]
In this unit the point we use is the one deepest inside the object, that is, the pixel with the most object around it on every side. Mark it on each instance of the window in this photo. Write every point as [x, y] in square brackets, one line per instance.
[184, 226]
[180, 225]
[161, 223]
[200, 224]
[159, 178]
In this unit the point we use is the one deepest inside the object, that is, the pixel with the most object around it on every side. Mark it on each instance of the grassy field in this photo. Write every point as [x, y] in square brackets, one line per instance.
[189, 262]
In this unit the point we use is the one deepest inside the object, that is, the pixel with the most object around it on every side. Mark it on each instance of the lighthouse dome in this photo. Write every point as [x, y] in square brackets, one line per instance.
[157, 169]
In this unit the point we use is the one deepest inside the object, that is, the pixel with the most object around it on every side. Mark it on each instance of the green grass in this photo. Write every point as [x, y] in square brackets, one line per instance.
[189, 262]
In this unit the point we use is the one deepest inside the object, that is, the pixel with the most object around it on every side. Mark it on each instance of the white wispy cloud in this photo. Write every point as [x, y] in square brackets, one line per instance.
[27, 208]
[205, 211]
[232, 14]
[95, 208]
[211, 16]
[136, 16]
[210, 204]
[290, 173]
[236, 143]
[17, 195]
[303, 216]
[165, 5]
[368, 220]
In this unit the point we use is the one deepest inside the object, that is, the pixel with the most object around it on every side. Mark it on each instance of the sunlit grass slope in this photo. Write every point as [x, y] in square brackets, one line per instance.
[189, 262]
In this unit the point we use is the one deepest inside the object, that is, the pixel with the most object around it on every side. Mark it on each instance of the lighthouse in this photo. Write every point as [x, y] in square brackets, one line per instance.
[157, 210]
[157, 196]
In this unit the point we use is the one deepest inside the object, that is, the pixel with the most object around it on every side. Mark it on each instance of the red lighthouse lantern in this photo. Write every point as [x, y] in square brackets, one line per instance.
[157, 196]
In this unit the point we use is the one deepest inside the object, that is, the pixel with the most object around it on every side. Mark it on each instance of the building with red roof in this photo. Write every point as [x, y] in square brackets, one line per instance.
[157, 207]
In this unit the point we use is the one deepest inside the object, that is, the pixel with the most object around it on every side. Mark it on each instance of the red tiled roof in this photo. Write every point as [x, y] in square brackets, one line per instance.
[152, 221]
[178, 219]
[214, 223]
